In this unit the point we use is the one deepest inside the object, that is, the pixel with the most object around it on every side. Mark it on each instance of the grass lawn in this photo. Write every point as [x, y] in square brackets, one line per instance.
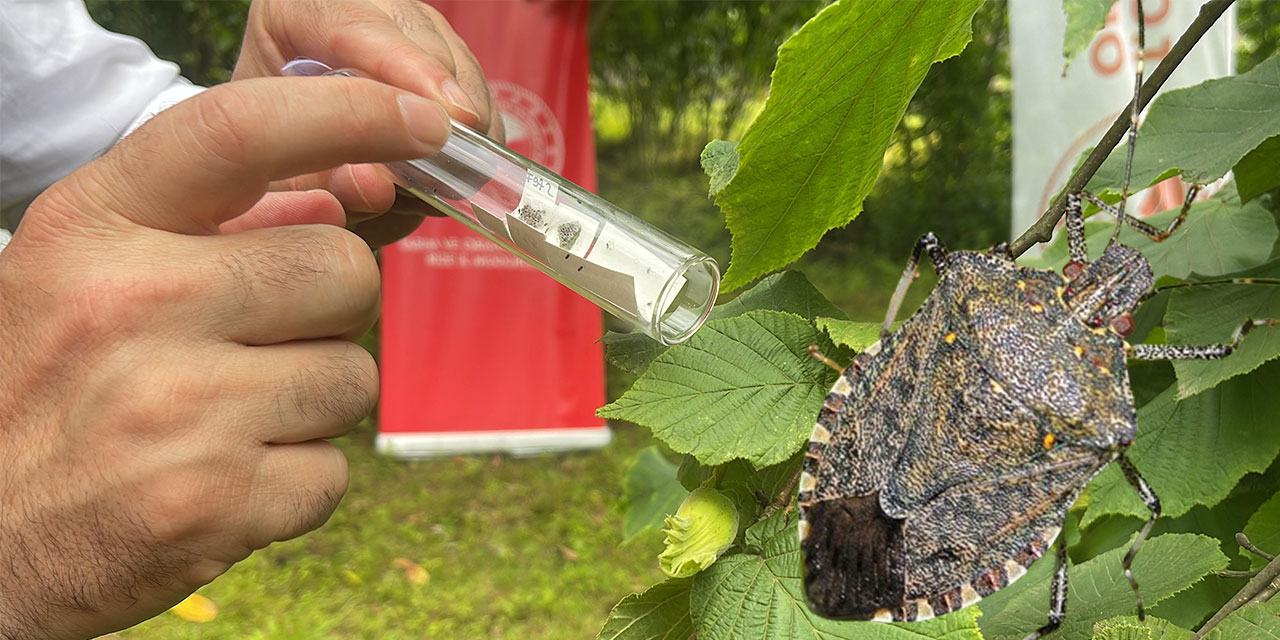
[511, 548]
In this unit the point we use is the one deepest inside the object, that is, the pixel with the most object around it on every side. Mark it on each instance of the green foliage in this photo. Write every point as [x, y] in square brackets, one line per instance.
[660, 613]
[720, 161]
[788, 291]
[1098, 590]
[1084, 19]
[820, 137]
[686, 72]
[1194, 451]
[1202, 131]
[202, 37]
[854, 335]
[1264, 531]
[742, 387]
[1130, 628]
[758, 594]
[1254, 621]
[1258, 24]
[650, 492]
[1208, 315]
[1259, 171]
[1220, 236]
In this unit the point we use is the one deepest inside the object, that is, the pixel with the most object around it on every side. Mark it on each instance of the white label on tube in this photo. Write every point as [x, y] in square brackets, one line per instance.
[537, 206]
[545, 227]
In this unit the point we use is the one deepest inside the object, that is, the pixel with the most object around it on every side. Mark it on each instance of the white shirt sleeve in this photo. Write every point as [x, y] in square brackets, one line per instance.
[69, 90]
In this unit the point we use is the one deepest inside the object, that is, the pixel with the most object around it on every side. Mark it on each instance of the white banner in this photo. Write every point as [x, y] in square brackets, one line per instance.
[1056, 117]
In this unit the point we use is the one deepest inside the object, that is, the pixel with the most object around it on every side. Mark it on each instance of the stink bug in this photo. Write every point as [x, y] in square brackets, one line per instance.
[946, 455]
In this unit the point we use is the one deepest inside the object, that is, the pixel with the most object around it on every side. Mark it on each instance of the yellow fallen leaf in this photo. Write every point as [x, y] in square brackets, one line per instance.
[415, 573]
[351, 577]
[196, 608]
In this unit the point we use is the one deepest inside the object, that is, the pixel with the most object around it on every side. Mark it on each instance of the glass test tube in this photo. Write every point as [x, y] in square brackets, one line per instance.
[629, 268]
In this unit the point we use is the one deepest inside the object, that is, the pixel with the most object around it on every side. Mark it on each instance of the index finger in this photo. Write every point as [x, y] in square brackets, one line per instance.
[361, 35]
[209, 158]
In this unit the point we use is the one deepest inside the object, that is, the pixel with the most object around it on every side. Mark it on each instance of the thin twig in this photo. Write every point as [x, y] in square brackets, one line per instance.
[1259, 589]
[1244, 541]
[1232, 573]
[1042, 229]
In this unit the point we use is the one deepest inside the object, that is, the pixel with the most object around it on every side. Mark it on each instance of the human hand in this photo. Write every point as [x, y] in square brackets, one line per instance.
[166, 389]
[404, 43]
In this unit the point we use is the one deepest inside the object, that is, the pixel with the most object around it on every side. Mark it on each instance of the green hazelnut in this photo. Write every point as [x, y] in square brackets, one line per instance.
[702, 528]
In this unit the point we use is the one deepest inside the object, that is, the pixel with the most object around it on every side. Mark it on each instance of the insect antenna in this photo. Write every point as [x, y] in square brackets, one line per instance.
[1133, 123]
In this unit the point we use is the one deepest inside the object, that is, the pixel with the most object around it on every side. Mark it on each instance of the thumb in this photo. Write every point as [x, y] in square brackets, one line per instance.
[208, 159]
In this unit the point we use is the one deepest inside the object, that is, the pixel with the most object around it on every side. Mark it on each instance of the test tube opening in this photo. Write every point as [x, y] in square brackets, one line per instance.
[686, 300]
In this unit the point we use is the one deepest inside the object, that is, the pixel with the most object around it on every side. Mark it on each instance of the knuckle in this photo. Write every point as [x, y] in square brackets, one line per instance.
[342, 386]
[291, 258]
[218, 128]
[314, 503]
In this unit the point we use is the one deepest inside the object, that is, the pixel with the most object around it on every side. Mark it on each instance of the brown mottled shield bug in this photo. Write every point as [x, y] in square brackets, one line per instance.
[946, 455]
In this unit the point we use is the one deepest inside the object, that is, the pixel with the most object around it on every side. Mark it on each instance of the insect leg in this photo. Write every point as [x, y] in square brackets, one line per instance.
[1057, 595]
[1075, 230]
[820, 357]
[1153, 503]
[937, 254]
[1155, 233]
[1196, 352]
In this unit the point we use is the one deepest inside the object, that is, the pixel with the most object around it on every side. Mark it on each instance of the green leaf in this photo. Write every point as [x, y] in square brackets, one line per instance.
[631, 352]
[759, 595]
[1192, 607]
[742, 387]
[855, 335]
[750, 488]
[1200, 131]
[1193, 452]
[660, 613]
[1254, 621]
[1263, 530]
[1220, 236]
[692, 473]
[1259, 172]
[719, 161]
[1130, 628]
[1097, 589]
[788, 291]
[994, 605]
[1210, 314]
[840, 87]
[1084, 19]
[649, 492]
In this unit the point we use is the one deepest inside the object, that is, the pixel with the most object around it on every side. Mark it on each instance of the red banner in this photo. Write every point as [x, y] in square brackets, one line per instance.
[479, 351]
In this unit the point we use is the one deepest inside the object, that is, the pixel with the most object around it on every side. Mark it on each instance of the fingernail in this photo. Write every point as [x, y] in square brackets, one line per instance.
[426, 120]
[453, 91]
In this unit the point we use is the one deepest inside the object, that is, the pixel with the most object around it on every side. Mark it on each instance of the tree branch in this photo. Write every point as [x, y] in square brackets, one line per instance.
[1260, 589]
[1042, 229]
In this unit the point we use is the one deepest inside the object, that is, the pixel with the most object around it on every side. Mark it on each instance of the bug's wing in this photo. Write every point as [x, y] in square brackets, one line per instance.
[977, 537]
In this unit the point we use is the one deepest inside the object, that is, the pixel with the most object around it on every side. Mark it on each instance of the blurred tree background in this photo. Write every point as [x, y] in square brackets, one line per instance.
[667, 76]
